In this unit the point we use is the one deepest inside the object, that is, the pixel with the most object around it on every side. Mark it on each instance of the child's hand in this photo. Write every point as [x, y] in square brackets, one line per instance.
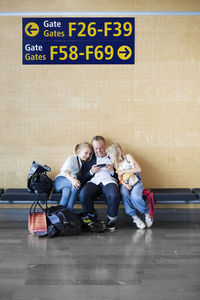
[76, 184]
[120, 173]
[128, 186]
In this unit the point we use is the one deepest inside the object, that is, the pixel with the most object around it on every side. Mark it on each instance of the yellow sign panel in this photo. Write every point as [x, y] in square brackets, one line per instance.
[32, 29]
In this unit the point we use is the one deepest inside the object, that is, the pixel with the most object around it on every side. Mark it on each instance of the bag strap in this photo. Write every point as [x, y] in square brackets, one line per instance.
[79, 174]
[128, 160]
[37, 203]
[78, 162]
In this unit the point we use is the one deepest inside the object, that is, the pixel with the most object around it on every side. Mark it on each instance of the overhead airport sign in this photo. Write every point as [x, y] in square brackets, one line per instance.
[78, 41]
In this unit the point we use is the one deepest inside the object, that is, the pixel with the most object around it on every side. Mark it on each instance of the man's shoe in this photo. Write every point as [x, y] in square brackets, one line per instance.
[91, 224]
[92, 217]
[139, 223]
[148, 221]
[87, 218]
[97, 226]
[111, 225]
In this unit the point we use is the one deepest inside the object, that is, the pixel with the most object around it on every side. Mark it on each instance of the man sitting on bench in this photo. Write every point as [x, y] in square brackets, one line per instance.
[101, 177]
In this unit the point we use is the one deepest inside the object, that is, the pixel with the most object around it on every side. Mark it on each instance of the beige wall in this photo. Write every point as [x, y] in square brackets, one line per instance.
[152, 108]
[100, 5]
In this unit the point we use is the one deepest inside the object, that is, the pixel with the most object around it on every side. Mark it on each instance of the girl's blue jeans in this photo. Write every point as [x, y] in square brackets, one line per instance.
[132, 200]
[69, 193]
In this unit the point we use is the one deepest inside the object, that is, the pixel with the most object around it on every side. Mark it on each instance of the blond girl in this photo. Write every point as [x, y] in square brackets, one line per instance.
[69, 179]
[131, 187]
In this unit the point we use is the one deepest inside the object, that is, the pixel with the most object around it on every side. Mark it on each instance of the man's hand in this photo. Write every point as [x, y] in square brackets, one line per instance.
[110, 167]
[95, 169]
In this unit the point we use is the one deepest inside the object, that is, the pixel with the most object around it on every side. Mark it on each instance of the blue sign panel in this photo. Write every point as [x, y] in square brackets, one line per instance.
[78, 41]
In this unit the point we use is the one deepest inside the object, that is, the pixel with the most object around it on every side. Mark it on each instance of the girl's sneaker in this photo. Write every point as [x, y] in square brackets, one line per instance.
[148, 221]
[138, 222]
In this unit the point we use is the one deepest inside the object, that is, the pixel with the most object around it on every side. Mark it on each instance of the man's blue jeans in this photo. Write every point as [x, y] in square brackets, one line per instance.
[133, 200]
[91, 190]
[69, 193]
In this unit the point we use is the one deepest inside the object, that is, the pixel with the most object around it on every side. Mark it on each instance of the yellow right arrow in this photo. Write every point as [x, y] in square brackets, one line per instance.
[124, 52]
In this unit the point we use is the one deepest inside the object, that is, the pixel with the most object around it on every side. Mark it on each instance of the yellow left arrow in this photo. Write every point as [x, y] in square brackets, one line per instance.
[32, 29]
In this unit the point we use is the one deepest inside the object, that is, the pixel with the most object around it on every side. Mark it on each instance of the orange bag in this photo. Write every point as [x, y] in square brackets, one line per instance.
[37, 221]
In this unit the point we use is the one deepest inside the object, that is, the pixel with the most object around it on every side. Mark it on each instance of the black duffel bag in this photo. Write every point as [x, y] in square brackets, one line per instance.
[62, 222]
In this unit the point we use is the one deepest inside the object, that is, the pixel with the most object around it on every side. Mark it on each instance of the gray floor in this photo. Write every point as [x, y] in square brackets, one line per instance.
[158, 263]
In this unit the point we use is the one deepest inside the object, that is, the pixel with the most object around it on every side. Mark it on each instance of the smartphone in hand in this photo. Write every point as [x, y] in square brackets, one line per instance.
[101, 165]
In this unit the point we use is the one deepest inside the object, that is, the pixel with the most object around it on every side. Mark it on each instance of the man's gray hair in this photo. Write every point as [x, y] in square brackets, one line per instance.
[98, 138]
